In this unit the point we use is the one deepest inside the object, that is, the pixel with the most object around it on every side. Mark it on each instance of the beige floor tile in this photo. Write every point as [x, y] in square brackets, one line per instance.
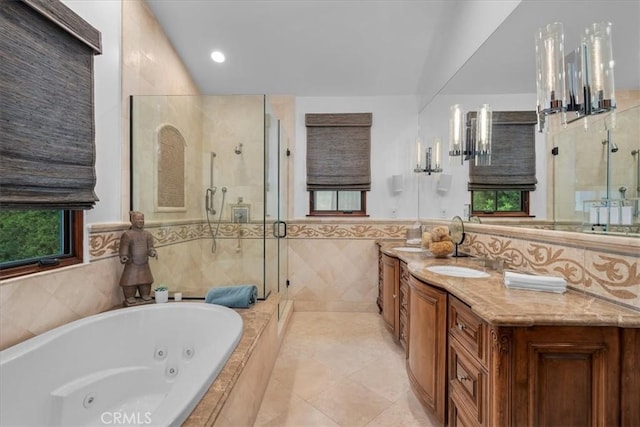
[350, 403]
[277, 400]
[340, 369]
[405, 412]
[301, 414]
[385, 376]
[305, 378]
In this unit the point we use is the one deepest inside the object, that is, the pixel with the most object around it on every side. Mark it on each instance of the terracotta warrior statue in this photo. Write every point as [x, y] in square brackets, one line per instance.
[136, 246]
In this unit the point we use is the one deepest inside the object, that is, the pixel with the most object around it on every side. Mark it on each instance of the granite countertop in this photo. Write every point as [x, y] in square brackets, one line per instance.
[498, 305]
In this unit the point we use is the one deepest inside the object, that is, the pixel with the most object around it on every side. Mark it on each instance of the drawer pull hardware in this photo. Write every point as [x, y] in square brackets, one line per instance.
[461, 326]
[463, 379]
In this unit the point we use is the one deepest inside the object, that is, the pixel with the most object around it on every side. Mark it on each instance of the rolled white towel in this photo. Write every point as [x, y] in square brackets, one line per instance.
[534, 283]
[511, 277]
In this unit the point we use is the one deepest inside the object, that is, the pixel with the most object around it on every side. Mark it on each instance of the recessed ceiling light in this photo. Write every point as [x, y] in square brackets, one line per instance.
[217, 56]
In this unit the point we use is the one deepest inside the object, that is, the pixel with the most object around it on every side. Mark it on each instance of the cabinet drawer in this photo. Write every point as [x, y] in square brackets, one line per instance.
[459, 416]
[468, 328]
[467, 382]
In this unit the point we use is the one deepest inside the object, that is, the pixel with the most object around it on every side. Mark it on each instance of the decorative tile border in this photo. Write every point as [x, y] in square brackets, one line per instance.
[346, 230]
[608, 268]
[104, 241]
[611, 276]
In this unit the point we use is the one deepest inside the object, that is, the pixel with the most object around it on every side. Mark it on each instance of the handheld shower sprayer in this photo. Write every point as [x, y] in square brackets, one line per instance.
[211, 211]
[209, 200]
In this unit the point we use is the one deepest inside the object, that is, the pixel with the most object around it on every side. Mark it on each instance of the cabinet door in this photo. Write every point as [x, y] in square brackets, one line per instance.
[426, 361]
[566, 376]
[390, 285]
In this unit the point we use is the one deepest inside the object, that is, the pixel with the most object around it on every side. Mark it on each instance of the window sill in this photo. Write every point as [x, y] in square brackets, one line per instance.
[25, 270]
[338, 214]
[502, 215]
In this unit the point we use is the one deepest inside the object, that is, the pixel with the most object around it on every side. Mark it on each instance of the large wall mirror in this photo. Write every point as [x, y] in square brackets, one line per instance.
[596, 174]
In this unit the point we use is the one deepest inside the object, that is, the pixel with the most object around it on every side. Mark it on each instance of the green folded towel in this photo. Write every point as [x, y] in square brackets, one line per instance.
[237, 296]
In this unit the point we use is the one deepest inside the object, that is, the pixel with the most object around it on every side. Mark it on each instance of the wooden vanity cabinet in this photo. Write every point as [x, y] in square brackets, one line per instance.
[470, 372]
[538, 375]
[389, 292]
[427, 345]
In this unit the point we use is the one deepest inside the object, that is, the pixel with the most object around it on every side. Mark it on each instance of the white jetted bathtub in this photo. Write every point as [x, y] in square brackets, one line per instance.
[147, 365]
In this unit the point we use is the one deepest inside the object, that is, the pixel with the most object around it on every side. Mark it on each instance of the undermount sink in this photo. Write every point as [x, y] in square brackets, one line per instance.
[408, 249]
[450, 270]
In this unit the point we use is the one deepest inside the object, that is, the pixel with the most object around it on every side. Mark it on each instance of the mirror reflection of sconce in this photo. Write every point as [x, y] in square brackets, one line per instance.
[471, 139]
[433, 161]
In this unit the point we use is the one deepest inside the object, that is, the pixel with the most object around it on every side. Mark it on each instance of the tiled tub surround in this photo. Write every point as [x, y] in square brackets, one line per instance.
[39, 302]
[234, 397]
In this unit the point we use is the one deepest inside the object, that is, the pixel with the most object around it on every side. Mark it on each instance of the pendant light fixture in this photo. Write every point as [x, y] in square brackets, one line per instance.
[586, 73]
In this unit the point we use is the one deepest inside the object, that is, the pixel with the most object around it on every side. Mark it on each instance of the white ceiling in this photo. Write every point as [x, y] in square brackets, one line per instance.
[383, 47]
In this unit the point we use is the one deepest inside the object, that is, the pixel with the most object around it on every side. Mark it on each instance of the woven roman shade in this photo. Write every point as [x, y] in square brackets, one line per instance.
[513, 153]
[339, 151]
[47, 151]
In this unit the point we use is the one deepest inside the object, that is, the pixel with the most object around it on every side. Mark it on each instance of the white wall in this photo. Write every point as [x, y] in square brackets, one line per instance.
[105, 16]
[393, 136]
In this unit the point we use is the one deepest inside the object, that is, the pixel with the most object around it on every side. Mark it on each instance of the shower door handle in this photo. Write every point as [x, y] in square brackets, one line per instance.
[276, 230]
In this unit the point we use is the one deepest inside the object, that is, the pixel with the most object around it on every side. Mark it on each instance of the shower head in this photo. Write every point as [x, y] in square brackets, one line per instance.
[238, 149]
[614, 147]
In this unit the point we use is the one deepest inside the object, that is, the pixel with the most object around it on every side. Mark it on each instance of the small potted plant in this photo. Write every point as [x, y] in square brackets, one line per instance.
[162, 294]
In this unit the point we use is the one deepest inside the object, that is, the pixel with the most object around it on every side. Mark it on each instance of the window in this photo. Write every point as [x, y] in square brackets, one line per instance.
[338, 202]
[37, 240]
[338, 163]
[48, 151]
[502, 188]
[500, 203]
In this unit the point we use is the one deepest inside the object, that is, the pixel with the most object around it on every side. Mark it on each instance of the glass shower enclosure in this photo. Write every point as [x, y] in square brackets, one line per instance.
[210, 174]
[596, 174]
